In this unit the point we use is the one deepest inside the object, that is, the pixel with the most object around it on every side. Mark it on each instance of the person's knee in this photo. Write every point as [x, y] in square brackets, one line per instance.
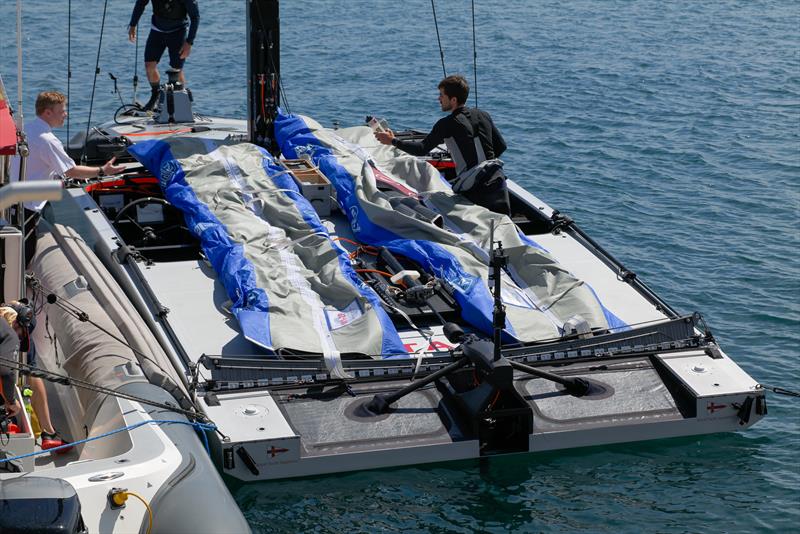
[36, 382]
[151, 67]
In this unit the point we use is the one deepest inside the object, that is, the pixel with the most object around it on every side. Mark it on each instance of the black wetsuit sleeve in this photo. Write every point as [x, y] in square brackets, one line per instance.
[9, 343]
[498, 143]
[138, 10]
[194, 18]
[431, 141]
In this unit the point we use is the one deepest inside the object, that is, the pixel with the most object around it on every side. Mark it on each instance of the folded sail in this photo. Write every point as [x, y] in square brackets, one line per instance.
[291, 285]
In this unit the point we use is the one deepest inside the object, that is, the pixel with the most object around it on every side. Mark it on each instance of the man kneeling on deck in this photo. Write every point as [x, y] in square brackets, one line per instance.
[474, 143]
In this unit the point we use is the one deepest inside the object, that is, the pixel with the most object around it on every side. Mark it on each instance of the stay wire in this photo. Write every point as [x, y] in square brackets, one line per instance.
[94, 82]
[441, 50]
[474, 55]
[69, 58]
[781, 391]
[135, 67]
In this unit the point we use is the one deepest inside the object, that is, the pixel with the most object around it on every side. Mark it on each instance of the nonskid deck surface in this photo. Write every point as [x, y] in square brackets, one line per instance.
[627, 390]
[340, 424]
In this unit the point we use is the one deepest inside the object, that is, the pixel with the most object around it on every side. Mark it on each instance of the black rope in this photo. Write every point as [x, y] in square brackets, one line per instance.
[94, 83]
[77, 313]
[474, 55]
[283, 93]
[37, 372]
[69, 58]
[135, 67]
[780, 391]
[441, 50]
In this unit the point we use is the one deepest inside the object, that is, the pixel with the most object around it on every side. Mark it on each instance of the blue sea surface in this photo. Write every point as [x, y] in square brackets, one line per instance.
[670, 131]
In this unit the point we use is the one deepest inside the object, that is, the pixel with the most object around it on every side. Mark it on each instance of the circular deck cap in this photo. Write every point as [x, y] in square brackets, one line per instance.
[251, 410]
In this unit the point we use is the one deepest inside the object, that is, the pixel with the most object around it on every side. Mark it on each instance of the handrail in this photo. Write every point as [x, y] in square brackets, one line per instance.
[27, 191]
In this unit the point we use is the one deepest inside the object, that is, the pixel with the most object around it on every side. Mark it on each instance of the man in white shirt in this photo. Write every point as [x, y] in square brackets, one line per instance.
[47, 159]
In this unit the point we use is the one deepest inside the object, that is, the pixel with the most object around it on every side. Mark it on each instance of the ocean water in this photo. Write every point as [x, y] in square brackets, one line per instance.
[669, 130]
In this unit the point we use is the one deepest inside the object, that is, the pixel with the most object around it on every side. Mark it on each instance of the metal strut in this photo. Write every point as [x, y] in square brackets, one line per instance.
[498, 373]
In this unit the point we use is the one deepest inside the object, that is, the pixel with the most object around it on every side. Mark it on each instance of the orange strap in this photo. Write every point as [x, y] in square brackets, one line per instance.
[159, 132]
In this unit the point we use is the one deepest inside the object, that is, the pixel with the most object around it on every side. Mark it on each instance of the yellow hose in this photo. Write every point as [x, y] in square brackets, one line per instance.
[122, 496]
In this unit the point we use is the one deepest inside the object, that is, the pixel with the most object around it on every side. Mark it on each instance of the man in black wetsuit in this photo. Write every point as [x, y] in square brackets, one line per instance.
[473, 142]
[171, 19]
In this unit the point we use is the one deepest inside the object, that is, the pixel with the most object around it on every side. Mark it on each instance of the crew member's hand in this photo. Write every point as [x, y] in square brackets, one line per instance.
[12, 408]
[109, 167]
[186, 49]
[385, 137]
[132, 34]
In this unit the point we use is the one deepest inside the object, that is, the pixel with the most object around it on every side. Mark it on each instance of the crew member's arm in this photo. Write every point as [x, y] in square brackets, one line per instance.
[9, 345]
[138, 10]
[498, 142]
[58, 162]
[194, 21]
[85, 172]
[415, 148]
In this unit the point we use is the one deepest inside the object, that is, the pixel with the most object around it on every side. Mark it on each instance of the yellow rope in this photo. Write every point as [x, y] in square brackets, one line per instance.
[122, 496]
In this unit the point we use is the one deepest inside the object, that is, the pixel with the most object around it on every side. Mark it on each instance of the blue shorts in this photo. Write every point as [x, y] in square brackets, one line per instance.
[158, 41]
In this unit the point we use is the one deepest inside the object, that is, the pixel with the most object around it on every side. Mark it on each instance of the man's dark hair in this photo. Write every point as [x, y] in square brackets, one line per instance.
[455, 86]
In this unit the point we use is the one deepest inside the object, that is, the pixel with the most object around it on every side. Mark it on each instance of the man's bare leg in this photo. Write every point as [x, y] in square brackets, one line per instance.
[40, 406]
[152, 72]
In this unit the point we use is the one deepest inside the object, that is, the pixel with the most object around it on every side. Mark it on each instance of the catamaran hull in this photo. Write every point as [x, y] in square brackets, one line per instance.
[660, 375]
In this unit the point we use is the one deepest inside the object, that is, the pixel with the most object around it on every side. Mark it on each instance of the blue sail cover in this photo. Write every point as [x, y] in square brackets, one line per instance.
[530, 317]
[251, 290]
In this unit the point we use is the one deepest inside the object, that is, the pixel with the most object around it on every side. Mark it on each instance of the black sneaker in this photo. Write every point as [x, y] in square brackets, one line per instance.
[151, 104]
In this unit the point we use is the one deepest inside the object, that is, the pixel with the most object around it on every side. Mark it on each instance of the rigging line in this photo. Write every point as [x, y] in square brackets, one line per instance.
[94, 83]
[20, 110]
[136, 66]
[281, 89]
[200, 427]
[441, 50]
[50, 376]
[474, 55]
[780, 391]
[69, 59]
[82, 316]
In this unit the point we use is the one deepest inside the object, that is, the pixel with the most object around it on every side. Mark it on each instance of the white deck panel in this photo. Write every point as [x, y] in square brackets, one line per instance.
[195, 297]
[617, 296]
[708, 377]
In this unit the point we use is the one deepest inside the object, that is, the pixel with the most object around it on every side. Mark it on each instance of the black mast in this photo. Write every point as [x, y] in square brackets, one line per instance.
[263, 71]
